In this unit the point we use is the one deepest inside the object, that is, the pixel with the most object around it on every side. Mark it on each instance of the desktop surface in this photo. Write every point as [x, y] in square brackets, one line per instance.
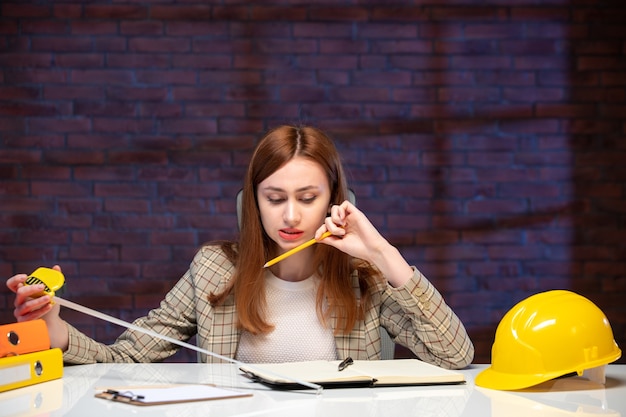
[73, 395]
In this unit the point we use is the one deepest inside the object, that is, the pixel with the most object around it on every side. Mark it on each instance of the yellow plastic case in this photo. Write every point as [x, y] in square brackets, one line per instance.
[51, 278]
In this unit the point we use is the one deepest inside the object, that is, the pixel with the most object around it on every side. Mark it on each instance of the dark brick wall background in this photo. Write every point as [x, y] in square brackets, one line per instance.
[485, 138]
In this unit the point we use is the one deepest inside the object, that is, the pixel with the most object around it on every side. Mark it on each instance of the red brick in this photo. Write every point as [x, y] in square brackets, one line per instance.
[74, 157]
[103, 76]
[109, 44]
[92, 27]
[9, 28]
[614, 78]
[272, 13]
[551, 14]
[220, 50]
[44, 27]
[469, 13]
[164, 45]
[600, 94]
[174, 237]
[160, 110]
[142, 94]
[494, 30]
[177, 12]
[33, 110]
[339, 46]
[46, 172]
[165, 174]
[29, 253]
[588, 126]
[391, 31]
[49, 125]
[442, 31]
[348, 13]
[28, 60]
[122, 125]
[94, 141]
[398, 13]
[77, 206]
[14, 188]
[136, 190]
[171, 77]
[111, 109]
[193, 126]
[322, 30]
[150, 27]
[246, 29]
[116, 12]
[11, 124]
[137, 61]
[202, 62]
[484, 62]
[137, 157]
[25, 10]
[345, 111]
[69, 92]
[61, 44]
[67, 11]
[291, 77]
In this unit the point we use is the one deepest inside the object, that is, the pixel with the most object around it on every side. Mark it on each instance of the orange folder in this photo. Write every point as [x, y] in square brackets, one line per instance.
[23, 337]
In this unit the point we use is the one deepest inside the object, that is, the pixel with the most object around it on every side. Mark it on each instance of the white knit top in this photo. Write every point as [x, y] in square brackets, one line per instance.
[298, 334]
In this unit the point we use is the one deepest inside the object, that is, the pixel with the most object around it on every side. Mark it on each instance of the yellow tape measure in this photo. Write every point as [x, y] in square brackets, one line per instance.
[52, 279]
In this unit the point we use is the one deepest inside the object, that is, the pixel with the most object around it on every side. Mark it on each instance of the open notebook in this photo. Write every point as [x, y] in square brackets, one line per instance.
[358, 374]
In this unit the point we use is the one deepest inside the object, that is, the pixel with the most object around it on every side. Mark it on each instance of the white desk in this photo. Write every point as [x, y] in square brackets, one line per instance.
[73, 395]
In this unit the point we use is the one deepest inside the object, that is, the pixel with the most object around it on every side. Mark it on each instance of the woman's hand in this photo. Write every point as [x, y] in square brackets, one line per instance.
[354, 234]
[30, 306]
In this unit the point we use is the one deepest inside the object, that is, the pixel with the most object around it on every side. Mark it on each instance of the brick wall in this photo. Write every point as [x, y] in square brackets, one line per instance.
[484, 138]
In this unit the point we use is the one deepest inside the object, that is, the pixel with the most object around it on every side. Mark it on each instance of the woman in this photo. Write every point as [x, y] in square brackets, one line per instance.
[325, 302]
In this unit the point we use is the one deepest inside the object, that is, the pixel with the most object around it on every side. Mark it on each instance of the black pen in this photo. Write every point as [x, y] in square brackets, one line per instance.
[345, 363]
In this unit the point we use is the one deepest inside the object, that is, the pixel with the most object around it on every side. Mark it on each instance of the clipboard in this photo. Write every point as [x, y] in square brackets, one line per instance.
[168, 394]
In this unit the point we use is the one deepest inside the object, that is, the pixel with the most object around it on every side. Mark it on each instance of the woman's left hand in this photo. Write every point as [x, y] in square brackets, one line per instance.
[354, 234]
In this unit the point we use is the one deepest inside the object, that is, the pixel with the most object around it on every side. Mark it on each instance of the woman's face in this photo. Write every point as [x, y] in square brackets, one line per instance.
[293, 202]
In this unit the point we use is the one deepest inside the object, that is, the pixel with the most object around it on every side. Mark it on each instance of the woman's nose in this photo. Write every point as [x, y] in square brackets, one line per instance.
[291, 215]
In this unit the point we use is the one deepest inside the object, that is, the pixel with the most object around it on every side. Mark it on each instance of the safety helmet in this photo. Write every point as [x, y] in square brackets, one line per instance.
[545, 336]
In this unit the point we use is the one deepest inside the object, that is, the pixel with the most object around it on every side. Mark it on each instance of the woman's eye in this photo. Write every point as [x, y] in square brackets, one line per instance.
[280, 200]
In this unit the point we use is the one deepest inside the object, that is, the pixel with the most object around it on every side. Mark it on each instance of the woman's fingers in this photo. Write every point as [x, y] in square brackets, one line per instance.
[28, 303]
[26, 311]
[32, 308]
[16, 281]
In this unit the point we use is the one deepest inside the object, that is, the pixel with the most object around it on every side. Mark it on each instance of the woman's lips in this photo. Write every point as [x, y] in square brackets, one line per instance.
[290, 234]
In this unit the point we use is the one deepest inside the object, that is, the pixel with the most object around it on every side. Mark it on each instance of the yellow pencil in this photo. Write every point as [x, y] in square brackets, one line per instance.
[295, 250]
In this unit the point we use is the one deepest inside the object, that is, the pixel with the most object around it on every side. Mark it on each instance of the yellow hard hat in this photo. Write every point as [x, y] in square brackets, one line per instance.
[545, 336]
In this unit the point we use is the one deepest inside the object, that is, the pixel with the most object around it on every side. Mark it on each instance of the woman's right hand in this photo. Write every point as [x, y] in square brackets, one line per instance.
[30, 306]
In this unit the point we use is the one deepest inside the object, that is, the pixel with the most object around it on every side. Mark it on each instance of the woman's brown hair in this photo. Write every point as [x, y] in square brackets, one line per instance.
[255, 247]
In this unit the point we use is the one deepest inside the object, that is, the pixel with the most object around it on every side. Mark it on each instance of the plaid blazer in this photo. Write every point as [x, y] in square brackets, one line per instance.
[414, 315]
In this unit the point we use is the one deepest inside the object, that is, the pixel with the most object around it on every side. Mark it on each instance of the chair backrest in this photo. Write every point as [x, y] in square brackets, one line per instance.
[388, 347]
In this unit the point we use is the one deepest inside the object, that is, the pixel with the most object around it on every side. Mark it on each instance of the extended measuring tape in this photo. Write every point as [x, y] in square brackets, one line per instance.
[53, 280]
